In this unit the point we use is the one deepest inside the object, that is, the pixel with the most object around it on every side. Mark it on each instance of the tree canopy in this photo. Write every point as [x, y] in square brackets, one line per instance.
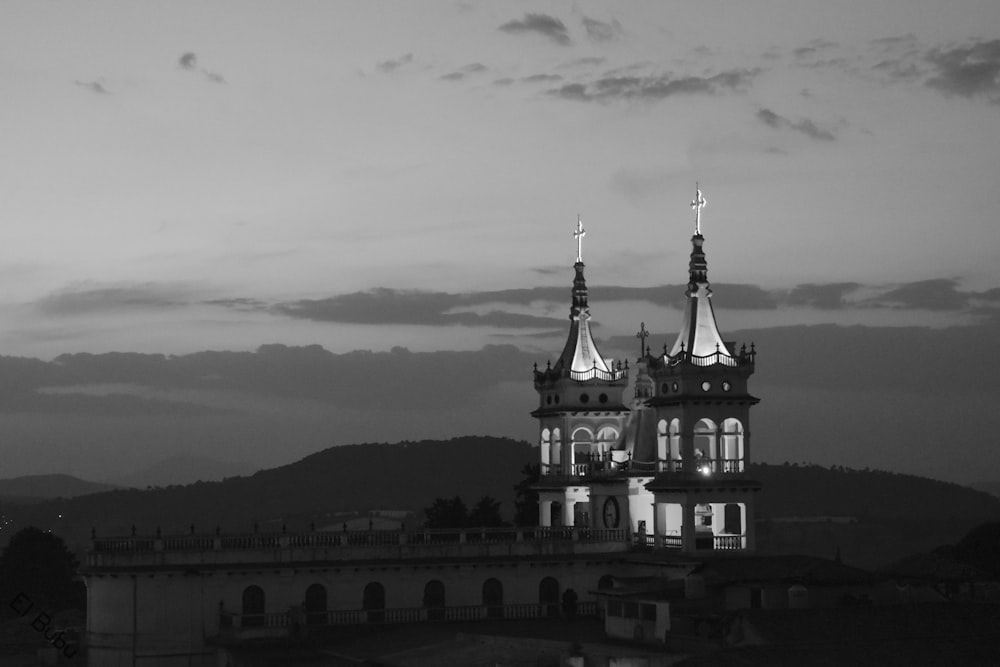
[37, 565]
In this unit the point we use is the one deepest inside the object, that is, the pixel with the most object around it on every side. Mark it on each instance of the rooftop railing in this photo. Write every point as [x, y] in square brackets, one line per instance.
[342, 539]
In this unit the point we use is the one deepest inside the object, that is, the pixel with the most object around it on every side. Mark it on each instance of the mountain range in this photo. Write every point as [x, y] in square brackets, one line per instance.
[873, 516]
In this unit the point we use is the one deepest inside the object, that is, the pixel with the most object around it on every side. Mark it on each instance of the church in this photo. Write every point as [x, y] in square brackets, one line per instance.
[648, 485]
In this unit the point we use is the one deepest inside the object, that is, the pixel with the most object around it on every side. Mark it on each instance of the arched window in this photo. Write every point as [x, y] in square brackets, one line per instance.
[374, 602]
[548, 596]
[607, 436]
[434, 600]
[253, 607]
[732, 445]
[315, 605]
[582, 447]
[705, 445]
[544, 445]
[493, 598]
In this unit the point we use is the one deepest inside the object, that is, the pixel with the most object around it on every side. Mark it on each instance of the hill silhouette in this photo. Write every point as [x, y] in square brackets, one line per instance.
[34, 488]
[896, 514]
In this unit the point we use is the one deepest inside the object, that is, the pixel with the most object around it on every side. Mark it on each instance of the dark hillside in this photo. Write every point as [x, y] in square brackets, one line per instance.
[800, 509]
[404, 476]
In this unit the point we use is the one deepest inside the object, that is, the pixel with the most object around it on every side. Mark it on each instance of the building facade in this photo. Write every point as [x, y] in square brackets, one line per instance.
[622, 484]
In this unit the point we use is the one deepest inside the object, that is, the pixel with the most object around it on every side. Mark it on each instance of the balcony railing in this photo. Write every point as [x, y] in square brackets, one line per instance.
[720, 357]
[701, 542]
[276, 624]
[604, 464]
[346, 539]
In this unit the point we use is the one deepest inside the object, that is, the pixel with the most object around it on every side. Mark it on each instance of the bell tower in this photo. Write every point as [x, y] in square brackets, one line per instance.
[580, 412]
[701, 406]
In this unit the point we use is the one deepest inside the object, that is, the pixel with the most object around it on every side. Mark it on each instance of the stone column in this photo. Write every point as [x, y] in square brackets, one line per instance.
[568, 513]
[687, 528]
[545, 513]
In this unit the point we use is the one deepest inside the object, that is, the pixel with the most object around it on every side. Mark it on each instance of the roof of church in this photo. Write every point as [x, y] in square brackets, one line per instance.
[699, 335]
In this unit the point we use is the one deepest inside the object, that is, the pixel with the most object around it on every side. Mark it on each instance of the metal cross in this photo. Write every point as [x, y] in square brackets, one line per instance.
[698, 204]
[578, 235]
[642, 336]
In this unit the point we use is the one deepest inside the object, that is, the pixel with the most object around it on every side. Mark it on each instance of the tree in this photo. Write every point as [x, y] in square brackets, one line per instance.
[486, 514]
[446, 513]
[38, 567]
[526, 498]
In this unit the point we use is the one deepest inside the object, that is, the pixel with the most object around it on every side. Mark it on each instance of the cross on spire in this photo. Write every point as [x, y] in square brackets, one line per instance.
[642, 336]
[578, 235]
[698, 204]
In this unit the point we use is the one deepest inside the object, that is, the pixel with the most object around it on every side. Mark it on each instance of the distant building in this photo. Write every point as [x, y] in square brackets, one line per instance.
[650, 488]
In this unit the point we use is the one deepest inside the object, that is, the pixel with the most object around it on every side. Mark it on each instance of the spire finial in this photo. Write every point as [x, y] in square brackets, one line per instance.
[578, 235]
[642, 336]
[698, 204]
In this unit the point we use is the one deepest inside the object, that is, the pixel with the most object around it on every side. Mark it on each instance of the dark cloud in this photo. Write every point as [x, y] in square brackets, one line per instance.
[805, 126]
[461, 73]
[389, 306]
[651, 88]
[391, 65]
[506, 81]
[599, 31]
[81, 301]
[93, 86]
[542, 78]
[814, 47]
[967, 70]
[543, 24]
[188, 61]
[826, 297]
[589, 61]
[239, 303]
[937, 294]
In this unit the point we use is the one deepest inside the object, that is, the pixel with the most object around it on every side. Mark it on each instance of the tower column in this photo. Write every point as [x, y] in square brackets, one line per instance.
[568, 508]
[749, 528]
[659, 521]
[545, 513]
[687, 526]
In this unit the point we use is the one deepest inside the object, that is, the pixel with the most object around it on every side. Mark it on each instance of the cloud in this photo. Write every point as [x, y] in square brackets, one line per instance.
[93, 86]
[541, 78]
[589, 61]
[599, 31]
[390, 306]
[936, 294]
[826, 297]
[86, 300]
[188, 61]
[804, 126]
[461, 73]
[968, 71]
[391, 65]
[506, 81]
[542, 24]
[652, 88]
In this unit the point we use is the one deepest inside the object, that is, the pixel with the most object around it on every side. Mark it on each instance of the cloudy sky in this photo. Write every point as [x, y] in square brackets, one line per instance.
[188, 176]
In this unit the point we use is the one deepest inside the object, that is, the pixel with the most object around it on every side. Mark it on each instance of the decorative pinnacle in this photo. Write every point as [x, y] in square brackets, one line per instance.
[642, 336]
[578, 235]
[698, 204]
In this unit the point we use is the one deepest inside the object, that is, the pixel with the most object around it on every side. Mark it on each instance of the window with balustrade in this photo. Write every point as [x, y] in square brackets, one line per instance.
[253, 607]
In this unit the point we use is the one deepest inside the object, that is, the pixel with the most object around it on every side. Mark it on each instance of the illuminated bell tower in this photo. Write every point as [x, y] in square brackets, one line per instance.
[701, 405]
[580, 413]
